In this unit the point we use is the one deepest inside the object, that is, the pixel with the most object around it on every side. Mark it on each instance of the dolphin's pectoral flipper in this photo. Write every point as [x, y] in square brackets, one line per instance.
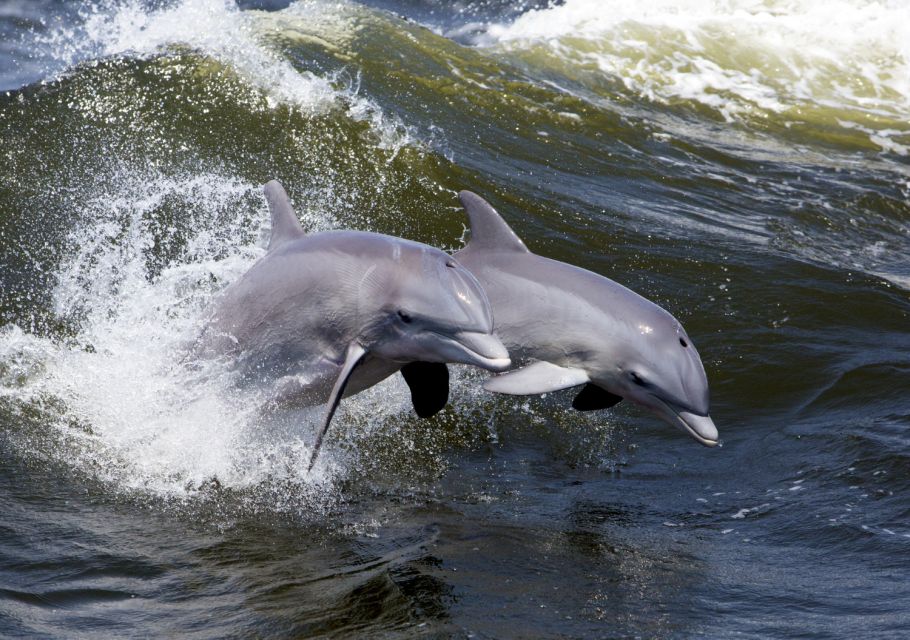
[540, 377]
[488, 229]
[354, 356]
[592, 398]
[429, 384]
[285, 226]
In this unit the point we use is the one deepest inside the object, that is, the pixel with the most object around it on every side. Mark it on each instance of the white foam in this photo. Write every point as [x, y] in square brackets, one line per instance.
[740, 57]
[123, 403]
[218, 28]
[742, 513]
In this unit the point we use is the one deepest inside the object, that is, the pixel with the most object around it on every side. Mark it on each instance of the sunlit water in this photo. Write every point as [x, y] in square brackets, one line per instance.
[742, 163]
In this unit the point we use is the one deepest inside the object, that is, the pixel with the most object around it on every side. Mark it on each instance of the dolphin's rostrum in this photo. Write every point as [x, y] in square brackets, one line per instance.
[572, 327]
[327, 315]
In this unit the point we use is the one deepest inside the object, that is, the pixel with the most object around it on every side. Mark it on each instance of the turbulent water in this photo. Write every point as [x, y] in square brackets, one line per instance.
[744, 163]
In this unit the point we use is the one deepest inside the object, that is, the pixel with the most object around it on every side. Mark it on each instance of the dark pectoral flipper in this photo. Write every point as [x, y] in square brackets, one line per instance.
[592, 397]
[354, 356]
[429, 384]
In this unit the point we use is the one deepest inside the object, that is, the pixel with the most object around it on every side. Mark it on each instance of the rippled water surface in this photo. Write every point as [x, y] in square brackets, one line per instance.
[745, 164]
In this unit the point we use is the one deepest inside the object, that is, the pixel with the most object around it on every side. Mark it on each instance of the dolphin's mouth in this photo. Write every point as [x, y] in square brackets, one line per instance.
[480, 349]
[700, 427]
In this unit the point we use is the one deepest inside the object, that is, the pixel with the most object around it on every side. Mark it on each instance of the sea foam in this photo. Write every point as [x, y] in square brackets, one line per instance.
[845, 63]
[120, 399]
[238, 39]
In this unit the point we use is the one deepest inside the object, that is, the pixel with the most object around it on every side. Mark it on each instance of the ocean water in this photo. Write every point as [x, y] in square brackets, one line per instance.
[744, 163]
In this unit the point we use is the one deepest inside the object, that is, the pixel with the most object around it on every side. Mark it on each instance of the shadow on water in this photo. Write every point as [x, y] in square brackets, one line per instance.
[303, 582]
[96, 564]
[503, 547]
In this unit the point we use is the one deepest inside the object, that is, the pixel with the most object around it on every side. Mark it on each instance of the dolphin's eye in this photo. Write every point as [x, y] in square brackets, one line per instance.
[637, 379]
[405, 317]
[451, 264]
[683, 342]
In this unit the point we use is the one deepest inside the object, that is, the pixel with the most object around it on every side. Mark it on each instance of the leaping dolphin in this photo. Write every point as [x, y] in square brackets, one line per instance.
[327, 315]
[574, 327]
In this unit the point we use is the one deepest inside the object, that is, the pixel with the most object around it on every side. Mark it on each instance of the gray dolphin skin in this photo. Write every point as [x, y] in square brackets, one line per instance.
[573, 327]
[326, 315]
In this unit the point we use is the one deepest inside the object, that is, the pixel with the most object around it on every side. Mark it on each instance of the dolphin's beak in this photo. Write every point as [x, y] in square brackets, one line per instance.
[480, 349]
[699, 427]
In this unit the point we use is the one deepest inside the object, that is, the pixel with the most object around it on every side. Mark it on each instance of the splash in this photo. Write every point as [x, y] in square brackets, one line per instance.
[843, 65]
[119, 399]
[239, 39]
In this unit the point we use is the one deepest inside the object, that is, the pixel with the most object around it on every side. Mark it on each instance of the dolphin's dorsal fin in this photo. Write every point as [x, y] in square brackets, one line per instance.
[285, 226]
[488, 230]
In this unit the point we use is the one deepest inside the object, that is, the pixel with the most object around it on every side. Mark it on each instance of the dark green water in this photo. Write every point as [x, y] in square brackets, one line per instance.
[747, 169]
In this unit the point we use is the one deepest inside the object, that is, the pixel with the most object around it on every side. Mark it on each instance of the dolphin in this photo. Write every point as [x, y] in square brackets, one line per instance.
[324, 316]
[572, 327]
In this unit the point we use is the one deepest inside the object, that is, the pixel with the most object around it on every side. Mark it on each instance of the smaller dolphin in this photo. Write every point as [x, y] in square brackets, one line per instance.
[328, 315]
[575, 327]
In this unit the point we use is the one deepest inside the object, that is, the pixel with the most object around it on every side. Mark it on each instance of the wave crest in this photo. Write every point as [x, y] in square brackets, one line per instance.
[841, 66]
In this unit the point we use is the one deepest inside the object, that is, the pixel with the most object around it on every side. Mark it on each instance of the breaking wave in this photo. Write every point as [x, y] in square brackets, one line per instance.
[841, 68]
